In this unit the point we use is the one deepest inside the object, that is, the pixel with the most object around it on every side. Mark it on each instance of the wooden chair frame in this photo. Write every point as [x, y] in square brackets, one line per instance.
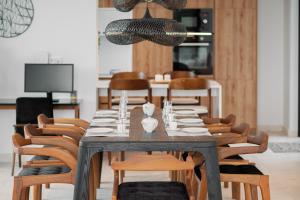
[65, 154]
[56, 137]
[250, 181]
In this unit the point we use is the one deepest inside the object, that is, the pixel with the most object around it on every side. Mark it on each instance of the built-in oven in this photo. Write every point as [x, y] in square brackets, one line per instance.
[196, 53]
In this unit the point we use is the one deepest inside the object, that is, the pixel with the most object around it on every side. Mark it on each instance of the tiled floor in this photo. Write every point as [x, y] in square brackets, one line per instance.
[283, 168]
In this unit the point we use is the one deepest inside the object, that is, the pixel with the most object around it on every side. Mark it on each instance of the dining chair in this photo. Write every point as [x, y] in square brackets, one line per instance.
[48, 137]
[191, 87]
[65, 131]
[76, 128]
[134, 87]
[238, 171]
[27, 110]
[151, 190]
[59, 167]
[132, 100]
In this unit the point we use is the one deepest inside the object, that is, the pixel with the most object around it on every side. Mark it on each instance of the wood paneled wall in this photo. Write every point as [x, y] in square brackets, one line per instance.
[236, 57]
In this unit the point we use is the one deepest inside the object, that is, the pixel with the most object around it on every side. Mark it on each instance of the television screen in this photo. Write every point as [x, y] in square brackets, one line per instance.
[49, 77]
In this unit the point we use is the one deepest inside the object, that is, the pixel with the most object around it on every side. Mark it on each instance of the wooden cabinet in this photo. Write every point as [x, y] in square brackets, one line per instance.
[200, 4]
[105, 3]
[235, 57]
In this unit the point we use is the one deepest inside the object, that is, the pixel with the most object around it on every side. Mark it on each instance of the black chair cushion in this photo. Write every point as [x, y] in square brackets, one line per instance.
[235, 157]
[152, 191]
[44, 170]
[240, 169]
[231, 169]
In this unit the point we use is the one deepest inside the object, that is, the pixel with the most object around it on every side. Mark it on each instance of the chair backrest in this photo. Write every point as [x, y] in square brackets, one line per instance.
[228, 121]
[129, 75]
[242, 129]
[181, 74]
[188, 84]
[28, 109]
[129, 85]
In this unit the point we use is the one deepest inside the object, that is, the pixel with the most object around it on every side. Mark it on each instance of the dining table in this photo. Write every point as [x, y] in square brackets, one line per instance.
[135, 139]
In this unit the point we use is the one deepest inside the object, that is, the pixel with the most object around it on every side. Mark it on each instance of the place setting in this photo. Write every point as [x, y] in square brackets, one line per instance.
[190, 122]
[178, 127]
[104, 125]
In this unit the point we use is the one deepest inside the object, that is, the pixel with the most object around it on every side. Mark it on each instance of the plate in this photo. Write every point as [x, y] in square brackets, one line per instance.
[104, 120]
[190, 120]
[100, 130]
[106, 112]
[195, 130]
[185, 112]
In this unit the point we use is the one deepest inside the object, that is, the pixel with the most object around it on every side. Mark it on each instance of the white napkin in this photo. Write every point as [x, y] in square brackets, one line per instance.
[90, 133]
[190, 124]
[181, 133]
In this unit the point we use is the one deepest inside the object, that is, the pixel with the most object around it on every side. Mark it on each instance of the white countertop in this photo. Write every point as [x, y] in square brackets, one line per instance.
[104, 84]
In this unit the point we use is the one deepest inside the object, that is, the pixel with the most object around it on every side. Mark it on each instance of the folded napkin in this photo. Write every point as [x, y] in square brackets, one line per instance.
[181, 133]
[191, 124]
[97, 121]
[197, 109]
[109, 115]
[92, 133]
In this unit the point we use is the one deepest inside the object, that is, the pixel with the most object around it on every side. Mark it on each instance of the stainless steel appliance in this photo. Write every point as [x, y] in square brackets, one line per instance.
[196, 53]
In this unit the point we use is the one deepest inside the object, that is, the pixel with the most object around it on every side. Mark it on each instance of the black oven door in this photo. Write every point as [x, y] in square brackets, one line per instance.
[196, 57]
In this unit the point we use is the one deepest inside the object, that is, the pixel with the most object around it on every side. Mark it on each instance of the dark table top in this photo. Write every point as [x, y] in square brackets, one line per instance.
[12, 102]
[139, 140]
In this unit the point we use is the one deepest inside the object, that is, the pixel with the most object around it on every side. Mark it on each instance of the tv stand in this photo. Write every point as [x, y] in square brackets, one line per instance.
[50, 97]
[62, 104]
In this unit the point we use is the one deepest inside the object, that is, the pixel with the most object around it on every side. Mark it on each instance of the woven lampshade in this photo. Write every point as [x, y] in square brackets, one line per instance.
[161, 31]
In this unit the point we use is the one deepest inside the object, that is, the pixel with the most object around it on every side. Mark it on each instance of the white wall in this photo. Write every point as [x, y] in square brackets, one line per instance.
[112, 56]
[278, 65]
[291, 64]
[270, 63]
[66, 29]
